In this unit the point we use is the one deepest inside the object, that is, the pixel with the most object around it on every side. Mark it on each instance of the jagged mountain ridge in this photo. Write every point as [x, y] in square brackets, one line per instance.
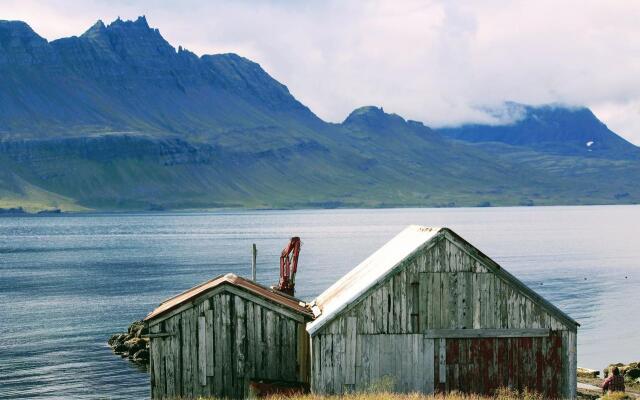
[125, 77]
[117, 118]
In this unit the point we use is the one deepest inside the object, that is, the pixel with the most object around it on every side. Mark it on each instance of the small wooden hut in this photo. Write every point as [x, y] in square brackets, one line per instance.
[428, 312]
[215, 338]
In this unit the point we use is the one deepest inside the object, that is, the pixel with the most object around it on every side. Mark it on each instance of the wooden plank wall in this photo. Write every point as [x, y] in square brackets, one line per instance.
[481, 365]
[442, 287]
[220, 344]
[402, 363]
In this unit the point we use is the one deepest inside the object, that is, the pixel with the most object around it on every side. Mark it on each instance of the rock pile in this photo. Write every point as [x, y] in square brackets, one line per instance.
[588, 373]
[131, 344]
[630, 371]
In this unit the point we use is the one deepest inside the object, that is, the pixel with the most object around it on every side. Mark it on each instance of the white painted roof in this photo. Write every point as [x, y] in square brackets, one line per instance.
[371, 271]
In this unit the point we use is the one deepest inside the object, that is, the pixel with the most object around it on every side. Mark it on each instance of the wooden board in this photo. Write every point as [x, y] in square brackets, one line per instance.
[350, 352]
[481, 365]
[484, 333]
[202, 350]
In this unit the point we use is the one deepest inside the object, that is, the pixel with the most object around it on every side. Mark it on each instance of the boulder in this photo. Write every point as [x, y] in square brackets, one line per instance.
[117, 339]
[135, 344]
[588, 373]
[141, 356]
[136, 329]
[132, 344]
[113, 340]
[120, 348]
[632, 373]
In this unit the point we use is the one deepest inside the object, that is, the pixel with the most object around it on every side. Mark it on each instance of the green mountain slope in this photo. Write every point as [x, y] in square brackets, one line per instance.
[118, 119]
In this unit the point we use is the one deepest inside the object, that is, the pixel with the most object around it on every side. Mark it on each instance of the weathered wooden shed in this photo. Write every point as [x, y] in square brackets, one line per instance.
[428, 312]
[215, 338]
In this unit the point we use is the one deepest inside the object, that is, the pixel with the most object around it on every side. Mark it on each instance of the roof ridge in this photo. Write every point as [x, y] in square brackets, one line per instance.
[271, 289]
[386, 260]
[239, 282]
[370, 272]
[191, 288]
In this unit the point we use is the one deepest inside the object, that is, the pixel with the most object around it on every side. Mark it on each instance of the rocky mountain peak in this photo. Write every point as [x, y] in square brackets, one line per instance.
[368, 110]
[559, 122]
[142, 21]
[368, 120]
[131, 42]
[125, 75]
[138, 29]
[17, 30]
[20, 45]
[139, 23]
[556, 128]
[97, 29]
[563, 115]
[372, 117]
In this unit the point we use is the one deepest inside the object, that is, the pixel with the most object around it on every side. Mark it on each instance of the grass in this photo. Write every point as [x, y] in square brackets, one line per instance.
[120, 173]
[34, 200]
[616, 396]
[501, 395]
[17, 192]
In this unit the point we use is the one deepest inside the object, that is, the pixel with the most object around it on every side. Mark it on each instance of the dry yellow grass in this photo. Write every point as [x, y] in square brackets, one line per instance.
[502, 394]
[616, 396]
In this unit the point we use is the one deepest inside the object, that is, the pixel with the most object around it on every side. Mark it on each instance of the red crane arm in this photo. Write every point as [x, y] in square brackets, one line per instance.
[289, 266]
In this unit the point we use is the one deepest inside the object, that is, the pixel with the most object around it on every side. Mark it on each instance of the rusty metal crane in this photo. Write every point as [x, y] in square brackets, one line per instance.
[289, 266]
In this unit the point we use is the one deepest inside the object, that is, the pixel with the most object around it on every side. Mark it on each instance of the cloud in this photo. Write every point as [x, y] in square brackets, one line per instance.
[435, 61]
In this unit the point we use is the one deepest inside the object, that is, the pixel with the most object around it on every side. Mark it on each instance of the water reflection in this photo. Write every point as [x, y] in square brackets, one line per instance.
[68, 282]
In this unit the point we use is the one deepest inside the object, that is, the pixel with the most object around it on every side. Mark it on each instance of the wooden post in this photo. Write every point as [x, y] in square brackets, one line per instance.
[254, 254]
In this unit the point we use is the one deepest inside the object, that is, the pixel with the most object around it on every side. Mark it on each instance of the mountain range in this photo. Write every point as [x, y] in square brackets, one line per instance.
[118, 119]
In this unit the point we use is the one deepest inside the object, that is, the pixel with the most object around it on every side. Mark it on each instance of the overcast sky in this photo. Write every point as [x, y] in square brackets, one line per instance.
[440, 62]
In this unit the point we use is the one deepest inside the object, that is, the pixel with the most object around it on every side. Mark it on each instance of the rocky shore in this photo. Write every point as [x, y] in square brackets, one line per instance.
[132, 344]
[590, 380]
[630, 371]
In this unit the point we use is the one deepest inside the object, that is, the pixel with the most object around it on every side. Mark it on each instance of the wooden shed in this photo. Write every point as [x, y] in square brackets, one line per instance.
[215, 338]
[429, 312]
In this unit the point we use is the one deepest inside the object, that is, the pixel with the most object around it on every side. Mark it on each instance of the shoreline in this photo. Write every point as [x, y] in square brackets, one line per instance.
[132, 344]
[60, 212]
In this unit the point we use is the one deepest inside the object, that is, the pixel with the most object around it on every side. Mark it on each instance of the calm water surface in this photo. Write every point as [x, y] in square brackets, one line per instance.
[68, 282]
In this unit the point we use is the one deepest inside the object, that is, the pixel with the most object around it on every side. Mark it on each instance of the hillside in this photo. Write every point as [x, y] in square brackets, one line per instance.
[118, 119]
[550, 128]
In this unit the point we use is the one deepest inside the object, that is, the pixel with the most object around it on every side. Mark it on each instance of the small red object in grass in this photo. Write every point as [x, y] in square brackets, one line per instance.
[264, 388]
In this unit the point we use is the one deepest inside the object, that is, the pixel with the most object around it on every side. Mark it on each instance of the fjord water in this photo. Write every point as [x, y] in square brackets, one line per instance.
[68, 282]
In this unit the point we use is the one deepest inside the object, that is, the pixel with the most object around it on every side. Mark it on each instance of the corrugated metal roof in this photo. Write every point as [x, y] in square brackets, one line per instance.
[231, 279]
[369, 272]
[383, 262]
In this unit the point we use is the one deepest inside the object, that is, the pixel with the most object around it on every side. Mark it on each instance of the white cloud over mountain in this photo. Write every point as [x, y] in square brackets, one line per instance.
[435, 61]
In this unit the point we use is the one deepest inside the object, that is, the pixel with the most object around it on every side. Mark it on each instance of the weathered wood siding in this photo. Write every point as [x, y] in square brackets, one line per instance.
[402, 363]
[442, 287]
[481, 365]
[222, 342]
